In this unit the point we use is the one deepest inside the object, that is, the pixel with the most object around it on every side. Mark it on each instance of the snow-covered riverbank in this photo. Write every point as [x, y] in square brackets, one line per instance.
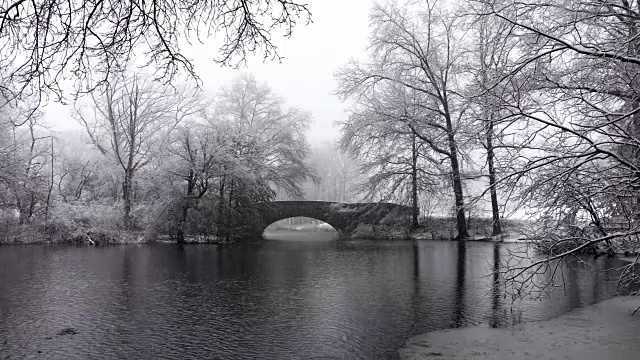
[602, 331]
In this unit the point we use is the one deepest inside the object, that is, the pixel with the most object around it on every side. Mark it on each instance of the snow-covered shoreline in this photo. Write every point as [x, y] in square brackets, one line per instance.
[605, 330]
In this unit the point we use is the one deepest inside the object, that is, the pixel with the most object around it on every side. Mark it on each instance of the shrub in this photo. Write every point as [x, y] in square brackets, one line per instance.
[80, 216]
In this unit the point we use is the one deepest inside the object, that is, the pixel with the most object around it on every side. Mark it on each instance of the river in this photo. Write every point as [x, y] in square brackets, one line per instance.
[295, 299]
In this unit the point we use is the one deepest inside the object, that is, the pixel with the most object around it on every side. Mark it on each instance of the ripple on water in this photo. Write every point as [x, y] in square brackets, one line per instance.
[278, 300]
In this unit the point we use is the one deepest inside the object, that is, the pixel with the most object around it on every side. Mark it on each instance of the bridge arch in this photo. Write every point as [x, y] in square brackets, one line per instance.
[299, 227]
[344, 217]
[320, 210]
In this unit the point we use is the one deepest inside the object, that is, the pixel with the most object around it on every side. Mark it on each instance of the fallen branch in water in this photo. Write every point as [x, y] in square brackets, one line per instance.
[587, 242]
[525, 275]
[89, 238]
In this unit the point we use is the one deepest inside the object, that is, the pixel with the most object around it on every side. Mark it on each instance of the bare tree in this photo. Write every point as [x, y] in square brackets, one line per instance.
[25, 168]
[130, 122]
[417, 47]
[268, 134]
[396, 164]
[46, 41]
[74, 177]
[491, 49]
[226, 159]
[203, 155]
[575, 160]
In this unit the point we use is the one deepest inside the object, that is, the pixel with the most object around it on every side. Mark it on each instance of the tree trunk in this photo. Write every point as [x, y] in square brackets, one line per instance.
[461, 220]
[414, 184]
[495, 209]
[46, 209]
[32, 204]
[129, 169]
[489, 112]
[185, 207]
[228, 227]
[220, 207]
[126, 197]
[21, 211]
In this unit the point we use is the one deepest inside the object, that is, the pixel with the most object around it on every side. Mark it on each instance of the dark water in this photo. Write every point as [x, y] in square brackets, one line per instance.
[277, 300]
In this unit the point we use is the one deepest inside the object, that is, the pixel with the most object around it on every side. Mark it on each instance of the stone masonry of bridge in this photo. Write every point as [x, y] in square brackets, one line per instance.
[344, 217]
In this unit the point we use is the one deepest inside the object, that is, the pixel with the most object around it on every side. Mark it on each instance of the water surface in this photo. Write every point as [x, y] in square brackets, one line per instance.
[276, 300]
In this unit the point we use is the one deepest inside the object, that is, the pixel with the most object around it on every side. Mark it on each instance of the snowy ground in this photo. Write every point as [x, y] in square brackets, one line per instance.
[598, 332]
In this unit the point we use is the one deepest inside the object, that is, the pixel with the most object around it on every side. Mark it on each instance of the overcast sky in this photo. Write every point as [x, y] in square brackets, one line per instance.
[304, 78]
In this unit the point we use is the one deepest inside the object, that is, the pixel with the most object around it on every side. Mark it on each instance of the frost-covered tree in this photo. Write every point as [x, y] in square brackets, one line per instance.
[417, 48]
[270, 135]
[130, 120]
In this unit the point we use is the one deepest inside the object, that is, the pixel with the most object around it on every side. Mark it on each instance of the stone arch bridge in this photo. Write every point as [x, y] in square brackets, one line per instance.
[344, 217]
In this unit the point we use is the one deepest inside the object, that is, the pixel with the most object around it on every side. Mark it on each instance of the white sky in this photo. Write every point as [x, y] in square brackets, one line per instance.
[304, 78]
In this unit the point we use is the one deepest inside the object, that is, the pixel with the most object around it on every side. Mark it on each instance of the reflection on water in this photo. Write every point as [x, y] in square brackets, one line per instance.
[495, 294]
[291, 235]
[276, 300]
[461, 262]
